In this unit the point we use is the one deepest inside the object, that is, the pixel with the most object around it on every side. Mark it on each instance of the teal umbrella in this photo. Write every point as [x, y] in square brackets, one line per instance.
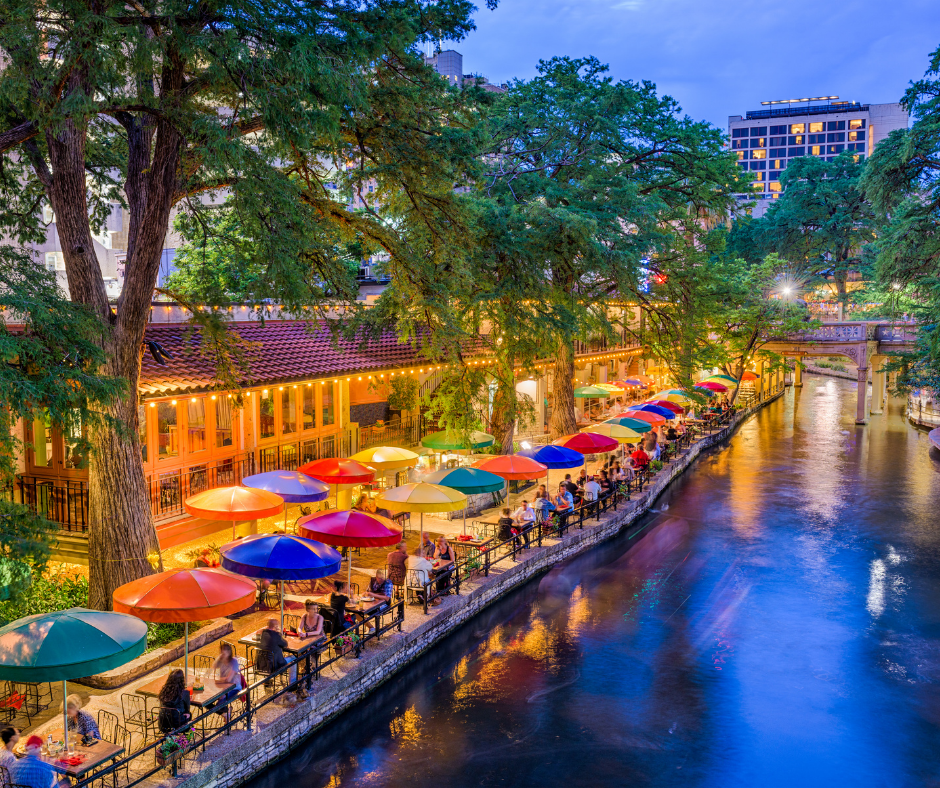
[452, 441]
[69, 644]
[469, 481]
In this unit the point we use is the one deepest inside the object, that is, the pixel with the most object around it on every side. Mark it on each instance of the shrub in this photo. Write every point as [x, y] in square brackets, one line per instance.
[58, 589]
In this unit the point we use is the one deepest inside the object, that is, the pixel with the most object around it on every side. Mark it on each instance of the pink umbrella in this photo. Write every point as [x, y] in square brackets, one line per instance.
[711, 386]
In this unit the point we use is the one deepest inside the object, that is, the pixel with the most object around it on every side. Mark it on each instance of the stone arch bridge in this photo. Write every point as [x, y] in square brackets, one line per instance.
[867, 344]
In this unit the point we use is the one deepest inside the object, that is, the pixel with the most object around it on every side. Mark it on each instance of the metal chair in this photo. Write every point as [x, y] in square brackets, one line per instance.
[396, 574]
[134, 710]
[203, 662]
[291, 622]
[414, 586]
[107, 722]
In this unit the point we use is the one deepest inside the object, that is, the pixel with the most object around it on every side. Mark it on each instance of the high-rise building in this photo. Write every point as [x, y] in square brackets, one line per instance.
[766, 140]
[449, 64]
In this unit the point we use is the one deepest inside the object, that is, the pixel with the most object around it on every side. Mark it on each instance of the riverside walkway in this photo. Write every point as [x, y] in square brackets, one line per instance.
[276, 713]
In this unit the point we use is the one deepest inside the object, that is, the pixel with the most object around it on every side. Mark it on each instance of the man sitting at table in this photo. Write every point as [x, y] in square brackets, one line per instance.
[271, 659]
[423, 570]
[640, 458]
[592, 489]
[396, 563]
[80, 722]
[31, 770]
[380, 587]
[427, 545]
[524, 517]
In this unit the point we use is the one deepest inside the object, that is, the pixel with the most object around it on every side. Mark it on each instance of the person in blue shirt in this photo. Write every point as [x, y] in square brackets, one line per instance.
[80, 722]
[31, 770]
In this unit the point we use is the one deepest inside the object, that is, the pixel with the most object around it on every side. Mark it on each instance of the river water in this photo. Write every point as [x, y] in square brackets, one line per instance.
[775, 622]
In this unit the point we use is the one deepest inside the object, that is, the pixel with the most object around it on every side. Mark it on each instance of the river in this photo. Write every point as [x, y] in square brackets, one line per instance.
[774, 622]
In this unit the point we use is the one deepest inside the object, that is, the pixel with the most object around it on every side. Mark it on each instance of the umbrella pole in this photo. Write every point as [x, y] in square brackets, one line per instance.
[282, 607]
[65, 714]
[422, 531]
[186, 657]
[465, 519]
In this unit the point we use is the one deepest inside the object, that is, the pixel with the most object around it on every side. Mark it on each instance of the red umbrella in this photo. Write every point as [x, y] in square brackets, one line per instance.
[645, 415]
[512, 466]
[349, 529]
[664, 403]
[234, 504]
[587, 443]
[184, 595]
[711, 386]
[336, 470]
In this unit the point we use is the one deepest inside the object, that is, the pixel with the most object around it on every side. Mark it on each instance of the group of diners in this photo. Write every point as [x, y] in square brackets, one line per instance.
[432, 558]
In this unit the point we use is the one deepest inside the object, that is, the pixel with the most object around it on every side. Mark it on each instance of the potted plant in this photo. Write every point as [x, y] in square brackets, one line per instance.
[348, 642]
[173, 746]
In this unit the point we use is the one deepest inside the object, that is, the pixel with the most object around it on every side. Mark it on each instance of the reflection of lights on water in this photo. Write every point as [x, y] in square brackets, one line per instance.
[876, 588]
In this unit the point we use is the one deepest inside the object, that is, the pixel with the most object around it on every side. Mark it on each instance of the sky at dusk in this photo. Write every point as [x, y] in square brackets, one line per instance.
[717, 57]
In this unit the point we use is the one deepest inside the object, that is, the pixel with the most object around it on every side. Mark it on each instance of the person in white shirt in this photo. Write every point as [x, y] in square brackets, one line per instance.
[524, 518]
[424, 570]
[591, 489]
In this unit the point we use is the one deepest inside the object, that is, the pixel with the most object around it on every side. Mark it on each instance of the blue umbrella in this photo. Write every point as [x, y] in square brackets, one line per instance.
[657, 409]
[554, 456]
[280, 557]
[292, 486]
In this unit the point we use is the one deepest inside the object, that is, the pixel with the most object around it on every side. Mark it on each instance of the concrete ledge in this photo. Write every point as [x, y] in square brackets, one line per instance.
[246, 754]
[158, 657]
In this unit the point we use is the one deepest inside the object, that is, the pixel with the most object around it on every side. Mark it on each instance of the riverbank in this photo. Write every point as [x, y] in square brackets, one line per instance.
[231, 760]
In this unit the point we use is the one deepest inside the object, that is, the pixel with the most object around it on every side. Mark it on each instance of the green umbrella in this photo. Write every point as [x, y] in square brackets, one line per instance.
[591, 392]
[469, 481]
[451, 441]
[69, 644]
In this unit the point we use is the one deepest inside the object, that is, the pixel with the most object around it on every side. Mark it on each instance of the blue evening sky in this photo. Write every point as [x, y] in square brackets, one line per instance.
[718, 57]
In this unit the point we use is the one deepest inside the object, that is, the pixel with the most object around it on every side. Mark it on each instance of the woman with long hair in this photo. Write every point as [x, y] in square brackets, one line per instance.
[174, 702]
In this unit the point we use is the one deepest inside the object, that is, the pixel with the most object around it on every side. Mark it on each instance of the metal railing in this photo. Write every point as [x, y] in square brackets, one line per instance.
[267, 688]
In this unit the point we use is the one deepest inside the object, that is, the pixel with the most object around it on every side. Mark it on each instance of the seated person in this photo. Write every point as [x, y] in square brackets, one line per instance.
[427, 545]
[672, 434]
[396, 563]
[31, 770]
[380, 587]
[174, 703]
[605, 482]
[338, 602]
[524, 518]
[564, 501]
[592, 489]
[311, 622]
[80, 722]
[272, 645]
[640, 458]
[504, 527]
[423, 570]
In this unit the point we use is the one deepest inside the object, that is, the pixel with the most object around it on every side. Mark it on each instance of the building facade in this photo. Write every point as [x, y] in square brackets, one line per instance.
[768, 139]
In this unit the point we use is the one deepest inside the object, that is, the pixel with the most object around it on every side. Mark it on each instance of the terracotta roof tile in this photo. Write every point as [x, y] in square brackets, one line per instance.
[280, 351]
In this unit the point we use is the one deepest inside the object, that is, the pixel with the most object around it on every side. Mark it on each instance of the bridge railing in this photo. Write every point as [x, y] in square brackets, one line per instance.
[860, 331]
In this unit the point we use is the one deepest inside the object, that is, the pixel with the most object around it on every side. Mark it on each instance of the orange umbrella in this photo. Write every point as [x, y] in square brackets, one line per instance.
[512, 466]
[235, 504]
[749, 376]
[645, 415]
[184, 595]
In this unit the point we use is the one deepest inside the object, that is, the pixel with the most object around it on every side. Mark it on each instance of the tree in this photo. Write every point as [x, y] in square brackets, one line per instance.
[155, 107]
[822, 221]
[608, 174]
[902, 180]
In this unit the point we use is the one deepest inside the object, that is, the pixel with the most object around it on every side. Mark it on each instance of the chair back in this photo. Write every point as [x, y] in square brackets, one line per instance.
[395, 573]
[260, 659]
[291, 621]
[107, 723]
[134, 708]
[169, 719]
[203, 662]
[417, 578]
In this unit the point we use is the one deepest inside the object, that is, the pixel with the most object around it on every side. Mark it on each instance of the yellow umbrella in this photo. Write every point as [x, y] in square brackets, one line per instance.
[386, 458]
[672, 395]
[422, 497]
[609, 387]
[618, 432]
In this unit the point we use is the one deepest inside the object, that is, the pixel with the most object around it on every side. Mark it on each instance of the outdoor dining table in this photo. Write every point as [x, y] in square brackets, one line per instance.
[211, 691]
[95, 755]
[295, 645]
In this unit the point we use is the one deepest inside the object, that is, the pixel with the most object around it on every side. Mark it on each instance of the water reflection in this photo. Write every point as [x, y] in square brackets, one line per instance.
[774, 622]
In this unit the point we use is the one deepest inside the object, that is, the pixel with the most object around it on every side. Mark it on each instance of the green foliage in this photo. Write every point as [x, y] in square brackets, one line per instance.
[58, 589]
[403, 393]
[820, 224]
[26, 540]
[903, 182]
[160, 634]
[49, 355]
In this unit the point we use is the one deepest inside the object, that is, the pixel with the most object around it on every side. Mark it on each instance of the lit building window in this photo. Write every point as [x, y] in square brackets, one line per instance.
[815, 127]
[815, 150]
[798, 128]
[758, 154]
[856, 124]
[776, 164]
[740, 155]
[774, 186]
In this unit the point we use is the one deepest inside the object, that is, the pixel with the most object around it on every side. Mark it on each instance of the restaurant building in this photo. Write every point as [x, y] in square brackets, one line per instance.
[305, 392]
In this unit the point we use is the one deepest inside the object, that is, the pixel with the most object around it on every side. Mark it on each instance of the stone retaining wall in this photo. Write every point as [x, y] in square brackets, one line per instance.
[245, 754]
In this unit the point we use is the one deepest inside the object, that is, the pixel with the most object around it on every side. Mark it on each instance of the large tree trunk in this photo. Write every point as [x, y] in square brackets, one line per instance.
[503, 420]
[563, 420]
[121, 531]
